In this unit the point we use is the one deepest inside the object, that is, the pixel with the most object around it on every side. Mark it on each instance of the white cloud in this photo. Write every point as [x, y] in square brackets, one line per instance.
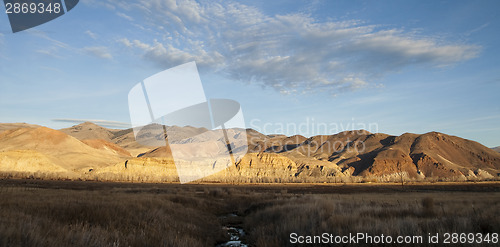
[52, 46]
[122, 15]
[477, 29]
[292, 52]
[50, 51]
[125, 42]
[44, 35]
[167, 55]
[91, 34]
[98, 51]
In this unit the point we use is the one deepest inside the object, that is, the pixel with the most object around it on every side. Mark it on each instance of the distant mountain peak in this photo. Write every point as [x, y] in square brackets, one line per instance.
[88, 125]
[89, 130]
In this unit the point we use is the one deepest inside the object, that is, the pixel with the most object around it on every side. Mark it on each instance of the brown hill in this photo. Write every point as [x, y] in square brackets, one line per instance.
[88, 130]
[258, 142]
[107, 146]
[123, 138]
[410, 155]
[199, 142]
[28, 161]
[150, 136]
[496, 149]
[159, 152]
[270, 167]
[360, 153]
[348, 156]
[62, 150]
[137, 169]
[9, 126]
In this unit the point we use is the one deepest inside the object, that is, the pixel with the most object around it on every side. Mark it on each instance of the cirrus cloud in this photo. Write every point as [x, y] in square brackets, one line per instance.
[98, 51]
[291, 53]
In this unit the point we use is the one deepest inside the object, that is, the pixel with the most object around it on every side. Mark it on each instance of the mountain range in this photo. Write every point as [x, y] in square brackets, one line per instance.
[91, 152]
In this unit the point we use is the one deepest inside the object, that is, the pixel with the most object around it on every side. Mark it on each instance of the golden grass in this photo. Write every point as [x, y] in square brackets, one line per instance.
[399, 214]
[58, 217]
[78, 213]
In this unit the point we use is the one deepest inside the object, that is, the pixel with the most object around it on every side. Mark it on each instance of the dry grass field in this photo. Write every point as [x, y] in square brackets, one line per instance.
[74, 213]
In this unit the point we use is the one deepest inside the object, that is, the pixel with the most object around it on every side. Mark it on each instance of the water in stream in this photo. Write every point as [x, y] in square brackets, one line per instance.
[235, 234]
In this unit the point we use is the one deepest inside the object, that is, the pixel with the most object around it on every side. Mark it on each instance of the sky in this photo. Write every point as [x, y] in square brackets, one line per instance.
[296, 67]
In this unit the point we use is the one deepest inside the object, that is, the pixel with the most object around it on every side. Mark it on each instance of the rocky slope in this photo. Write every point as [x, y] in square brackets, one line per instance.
[413, 156]
[52, 148]
[112, 148]
[89, 151]
[123, 138]
[360, 154]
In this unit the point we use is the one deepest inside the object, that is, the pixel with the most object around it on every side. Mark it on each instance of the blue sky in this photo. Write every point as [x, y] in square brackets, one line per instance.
[306, 67]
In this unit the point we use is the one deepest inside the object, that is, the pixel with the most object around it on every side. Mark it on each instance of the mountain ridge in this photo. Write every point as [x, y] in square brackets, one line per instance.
[346, 156]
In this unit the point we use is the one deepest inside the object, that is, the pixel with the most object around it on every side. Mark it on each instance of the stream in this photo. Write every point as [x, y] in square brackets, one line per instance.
[235, 232]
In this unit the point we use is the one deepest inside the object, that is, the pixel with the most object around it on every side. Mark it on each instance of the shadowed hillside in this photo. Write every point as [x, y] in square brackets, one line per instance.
[89, 151]
[413, 156]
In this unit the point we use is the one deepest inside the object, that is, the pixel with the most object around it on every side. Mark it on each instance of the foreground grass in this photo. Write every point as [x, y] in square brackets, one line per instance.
[413, 214]
[59, 213]
[58, 217]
